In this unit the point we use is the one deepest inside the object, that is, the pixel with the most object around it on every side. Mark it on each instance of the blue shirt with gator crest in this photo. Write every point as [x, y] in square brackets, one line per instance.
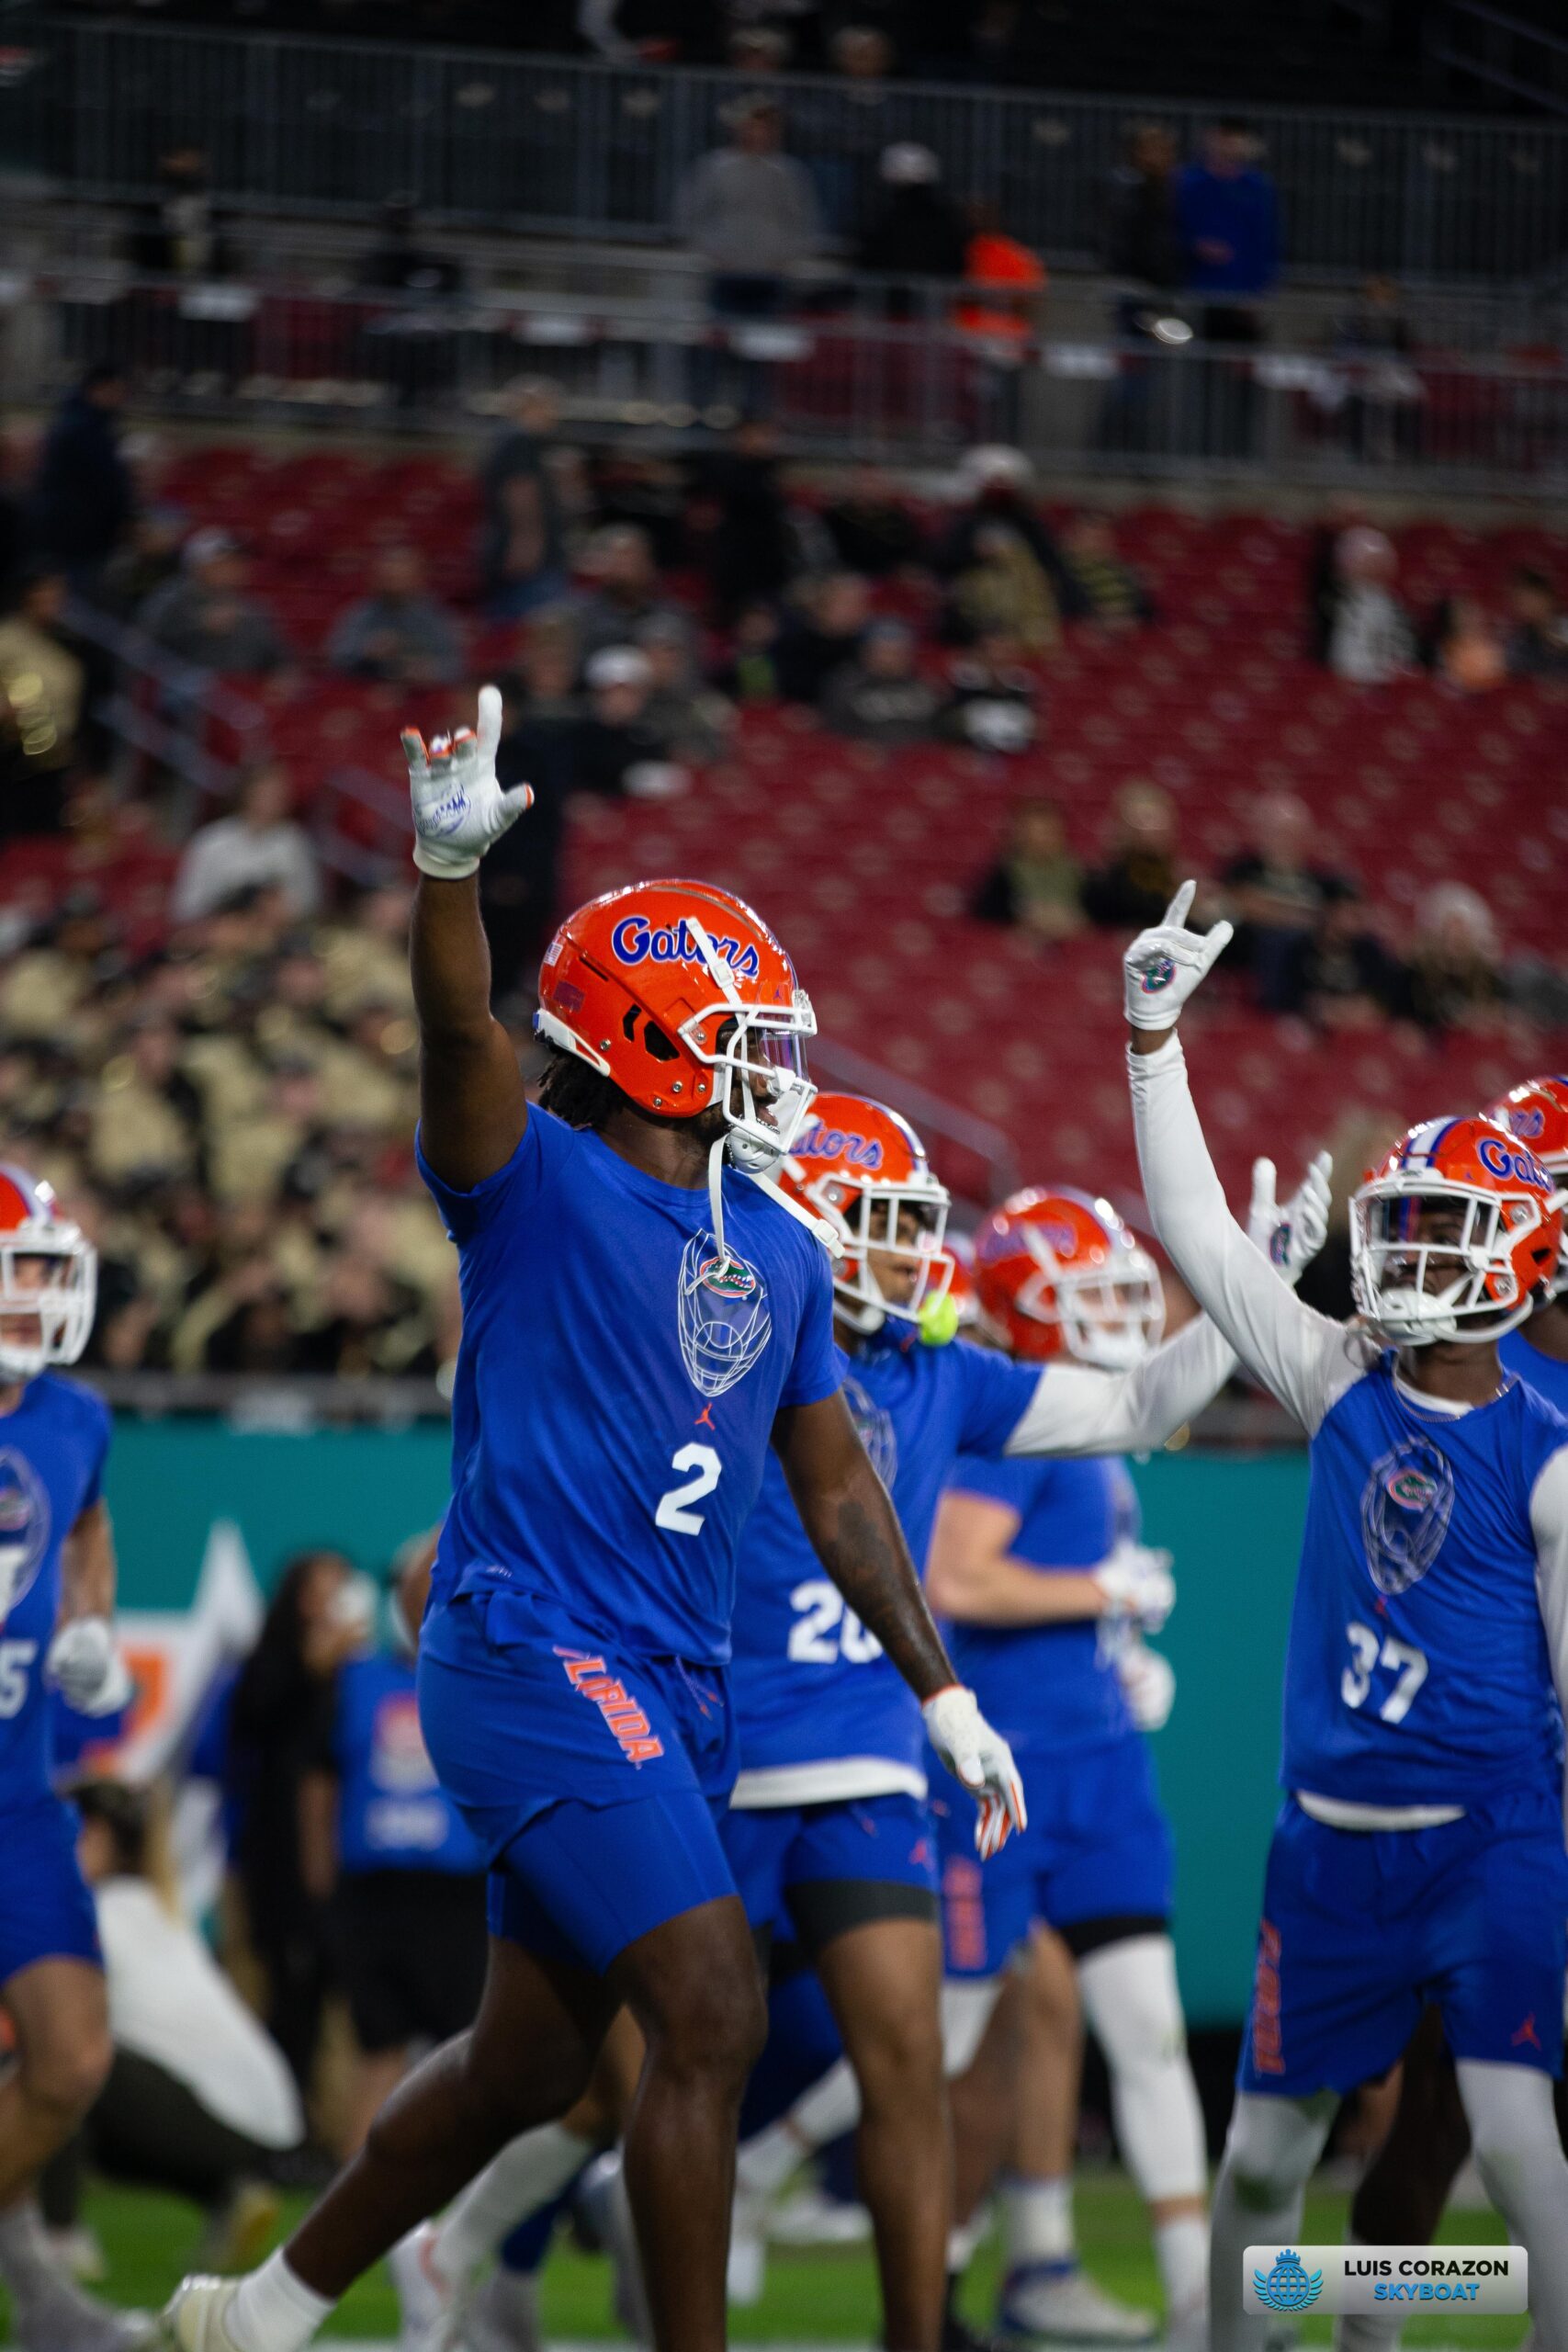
[1050, 1690]
[617, 1385]
[392, 1812]
[52, 1450]
[811, 1686]
[1548, 1375]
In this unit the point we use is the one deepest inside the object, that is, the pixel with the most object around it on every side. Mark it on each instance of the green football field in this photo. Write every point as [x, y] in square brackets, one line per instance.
[811, 2298]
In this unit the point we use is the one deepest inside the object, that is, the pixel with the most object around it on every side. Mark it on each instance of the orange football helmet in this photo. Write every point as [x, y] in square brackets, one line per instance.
[1457, 1236]
[1059, 1273]
[681, 994]
[49, 1279]
[861, 1166]
[1536, 1114]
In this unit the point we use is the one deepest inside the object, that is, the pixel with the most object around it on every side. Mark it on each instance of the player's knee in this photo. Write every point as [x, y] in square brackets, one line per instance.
[1271, 2150]
[1131, 1996]
[67, 2072]
[715, 2027]
[899, 2060]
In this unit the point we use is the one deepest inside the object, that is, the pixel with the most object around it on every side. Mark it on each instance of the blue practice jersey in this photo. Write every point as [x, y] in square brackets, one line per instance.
[1418, 1671]
[810, 1685]
[52, 1450]
[1545, 1374]
[393, 1815]
[1050, 1690]
[617, 1386]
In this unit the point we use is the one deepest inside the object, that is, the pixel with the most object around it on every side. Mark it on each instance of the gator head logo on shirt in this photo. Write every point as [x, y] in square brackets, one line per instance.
[1407, 1504]
[722, 1316]
[24, 1528]
[877, 1433]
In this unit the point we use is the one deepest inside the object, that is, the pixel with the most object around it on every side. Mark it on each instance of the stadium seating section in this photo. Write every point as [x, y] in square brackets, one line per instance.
[862, 858]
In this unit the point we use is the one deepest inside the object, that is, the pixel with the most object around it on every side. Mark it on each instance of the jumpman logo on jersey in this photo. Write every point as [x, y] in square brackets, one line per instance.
[1526, 2032]
[704, 1420]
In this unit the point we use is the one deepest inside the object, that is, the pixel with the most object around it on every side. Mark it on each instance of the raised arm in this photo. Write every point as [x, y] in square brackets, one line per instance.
[472, 1105]
[1300, 1356]
[846, 1511]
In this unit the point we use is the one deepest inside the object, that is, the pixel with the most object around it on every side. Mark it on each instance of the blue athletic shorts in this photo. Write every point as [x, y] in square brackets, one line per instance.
[46, 1909]
[1098, 1846]
[827, 1867]
[1360, 1929]
[588, 1777]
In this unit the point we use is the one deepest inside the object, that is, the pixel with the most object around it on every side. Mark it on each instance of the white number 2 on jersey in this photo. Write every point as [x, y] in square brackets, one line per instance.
[828, 1630]
[14, 1659]
[672, 1511]
[1369, 1649]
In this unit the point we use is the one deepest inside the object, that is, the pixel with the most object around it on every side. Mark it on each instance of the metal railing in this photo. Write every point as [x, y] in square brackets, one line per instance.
[544, 144]
[1499, 50]
[838, 385]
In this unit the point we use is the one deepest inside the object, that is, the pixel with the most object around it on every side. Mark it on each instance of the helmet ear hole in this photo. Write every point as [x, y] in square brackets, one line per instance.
[657, 1044]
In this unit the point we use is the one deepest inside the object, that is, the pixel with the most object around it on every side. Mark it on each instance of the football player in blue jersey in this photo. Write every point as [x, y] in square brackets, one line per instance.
[1401, 2196]
[642, 1321]
[57, 1581]
[828, 1827]
[1419, 1850]
[1039, 1574]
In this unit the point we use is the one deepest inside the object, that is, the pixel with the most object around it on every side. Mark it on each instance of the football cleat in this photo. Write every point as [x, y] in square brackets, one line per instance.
[1055, 2302]
[193, 2317]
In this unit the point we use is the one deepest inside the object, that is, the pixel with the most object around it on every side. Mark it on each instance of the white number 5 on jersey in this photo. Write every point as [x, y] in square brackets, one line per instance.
[673, 1511]
[1370, 1649]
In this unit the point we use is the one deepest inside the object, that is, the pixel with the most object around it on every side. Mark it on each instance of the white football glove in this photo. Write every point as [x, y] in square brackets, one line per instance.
[87, 1668]
[1291, 1237]
[458, 807]
[1137, 1583]
[1165, 964]
[1148, 1685]
[982, 1760]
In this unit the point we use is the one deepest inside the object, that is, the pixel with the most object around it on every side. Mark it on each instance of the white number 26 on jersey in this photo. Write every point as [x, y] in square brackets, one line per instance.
[826, 1630]
[1370, 1649]
[675, 1509]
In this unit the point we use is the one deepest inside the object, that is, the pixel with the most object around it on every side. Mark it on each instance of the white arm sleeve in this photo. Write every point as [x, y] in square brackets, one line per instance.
[1075, 1410]
[1301, 1357]
[1549, 1524]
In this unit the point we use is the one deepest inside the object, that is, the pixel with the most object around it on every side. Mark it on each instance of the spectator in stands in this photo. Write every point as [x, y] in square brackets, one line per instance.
[199, 2102]
[398, 263]
[624, 592]
[841, 131]
[1144, 246]
[752, 673]
[879, 696]
[1372, 640]
[1382, 412]
[916, 230]
[1003, 587]
[1454, 977]
[1339, 974]
[398, 633]
[147, 558]
[1037, 884]
[872, 529]
[543, 729]
[178, 234]
[692, 720]
[1277, 897]
[1139, 878]
[992, 697]
[1004, 281]
[1102, 588]
[82, 495]
[205, 615]
[751, 212]
[1228, 220]
[826, 630]
[1460, 646]
[371, 1326]
[996, 487]
[259, 847]
[621, 747]
[318, 1619]
[1538, 642]
[753, 550]
[1326, 585]
[522, 560]
[42, 693]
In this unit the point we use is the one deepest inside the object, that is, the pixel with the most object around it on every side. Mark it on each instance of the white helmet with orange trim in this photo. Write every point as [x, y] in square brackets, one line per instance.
[1457, 1236]
[49, 1279]
[863, 1169]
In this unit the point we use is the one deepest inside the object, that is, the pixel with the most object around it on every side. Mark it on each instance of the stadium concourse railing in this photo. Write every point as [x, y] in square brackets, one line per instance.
[849, 372]
[596, 150]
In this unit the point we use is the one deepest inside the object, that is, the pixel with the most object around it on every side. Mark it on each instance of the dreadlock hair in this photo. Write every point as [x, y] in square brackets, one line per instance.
[576, 1094]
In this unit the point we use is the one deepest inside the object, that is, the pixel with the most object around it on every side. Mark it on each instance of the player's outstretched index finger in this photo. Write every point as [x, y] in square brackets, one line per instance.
[489, 730]
[1265, 1191]
[1175, 916]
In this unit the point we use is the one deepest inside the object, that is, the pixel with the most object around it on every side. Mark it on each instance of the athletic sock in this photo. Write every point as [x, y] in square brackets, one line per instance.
[1037, 2220]
[26, 2263]
[766, 2161]
[1366, 2331]
[275, 2311]
[1181, 2249]
[528, 2175]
